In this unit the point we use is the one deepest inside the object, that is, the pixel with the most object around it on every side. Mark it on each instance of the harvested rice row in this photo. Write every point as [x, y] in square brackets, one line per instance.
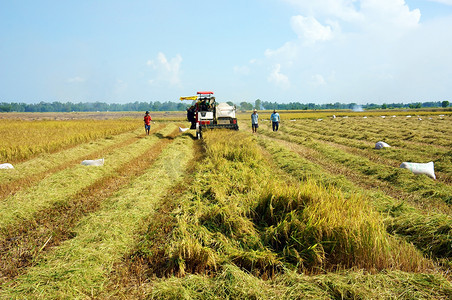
[411, 134]
[79, 267]
[432, 235]
[235, 283]
[129, 275]
[242, 220]
[428, 189]
[360, 135]
[400, 151]
[21, 244]
[61, 186]
[28, 173]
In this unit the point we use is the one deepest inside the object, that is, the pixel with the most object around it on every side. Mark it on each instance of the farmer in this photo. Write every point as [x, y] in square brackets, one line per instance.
[254, 121]
[275, 120]
[191, 116]
[147, 122]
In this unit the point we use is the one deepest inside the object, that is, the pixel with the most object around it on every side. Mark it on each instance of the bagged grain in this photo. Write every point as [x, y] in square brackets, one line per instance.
[420, 168]
[95, 162]
[6, 166]
[380, 145]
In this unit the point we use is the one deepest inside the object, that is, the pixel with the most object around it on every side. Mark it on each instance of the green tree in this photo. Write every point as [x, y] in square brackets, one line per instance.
[445, 104]
[246, 106]
[257, 104]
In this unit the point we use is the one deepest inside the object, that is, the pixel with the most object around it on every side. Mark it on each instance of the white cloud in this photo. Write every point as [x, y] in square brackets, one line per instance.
[278, 78]
[447, 2]
[362, 50]
[310, 30]
[166, 71]
[389, 15]
[373, 13]
[76, 79]
[317, 80]
[343, 9]
[289, 51]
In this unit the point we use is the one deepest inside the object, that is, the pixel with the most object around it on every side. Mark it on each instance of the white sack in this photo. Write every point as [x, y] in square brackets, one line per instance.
[225, 110]
[419, 168]
[380, 145]
[95, 162]
[6, 166]
[183, 129]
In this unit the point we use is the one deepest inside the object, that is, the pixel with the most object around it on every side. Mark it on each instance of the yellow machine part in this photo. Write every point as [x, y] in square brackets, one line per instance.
[189, 98]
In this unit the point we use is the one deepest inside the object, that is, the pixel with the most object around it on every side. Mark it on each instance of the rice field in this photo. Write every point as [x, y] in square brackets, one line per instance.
[311, 211]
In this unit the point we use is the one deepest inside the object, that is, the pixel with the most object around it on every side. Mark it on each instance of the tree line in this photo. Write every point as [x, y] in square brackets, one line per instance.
[353, 106]
[181, 106]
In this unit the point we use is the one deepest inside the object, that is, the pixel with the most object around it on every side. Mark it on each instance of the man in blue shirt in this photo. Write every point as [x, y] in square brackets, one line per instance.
[275, 120]
[254, 121]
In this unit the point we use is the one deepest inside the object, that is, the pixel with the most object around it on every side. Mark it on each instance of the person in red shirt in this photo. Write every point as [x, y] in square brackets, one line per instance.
[147, 122]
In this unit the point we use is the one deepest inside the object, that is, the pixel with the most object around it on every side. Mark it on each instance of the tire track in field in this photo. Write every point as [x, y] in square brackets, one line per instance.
[12, 187]
[22, 244]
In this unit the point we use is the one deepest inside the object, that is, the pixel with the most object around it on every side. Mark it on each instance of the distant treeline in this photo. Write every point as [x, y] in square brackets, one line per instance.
[337, 105]
[181, 106]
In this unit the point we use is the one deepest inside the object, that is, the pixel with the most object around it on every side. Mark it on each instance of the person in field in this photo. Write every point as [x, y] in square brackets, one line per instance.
[254, 121]
[147, 122]
[275, 118]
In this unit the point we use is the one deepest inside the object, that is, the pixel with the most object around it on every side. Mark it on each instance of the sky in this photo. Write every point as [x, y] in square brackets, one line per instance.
[323, 51]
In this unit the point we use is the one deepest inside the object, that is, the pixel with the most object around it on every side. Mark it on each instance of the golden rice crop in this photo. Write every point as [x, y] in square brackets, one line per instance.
[22, 139]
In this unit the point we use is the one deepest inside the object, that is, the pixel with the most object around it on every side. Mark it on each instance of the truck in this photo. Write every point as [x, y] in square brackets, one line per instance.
[206, 113]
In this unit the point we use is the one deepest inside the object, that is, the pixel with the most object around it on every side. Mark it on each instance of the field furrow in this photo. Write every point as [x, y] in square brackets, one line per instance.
[82, 264]
[21, 244]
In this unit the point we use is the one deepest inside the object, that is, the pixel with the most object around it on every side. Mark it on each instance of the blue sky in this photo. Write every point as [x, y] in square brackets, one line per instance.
[323, 51]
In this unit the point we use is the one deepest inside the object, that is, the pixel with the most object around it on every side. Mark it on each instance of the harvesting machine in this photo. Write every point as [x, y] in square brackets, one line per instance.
[206, 113]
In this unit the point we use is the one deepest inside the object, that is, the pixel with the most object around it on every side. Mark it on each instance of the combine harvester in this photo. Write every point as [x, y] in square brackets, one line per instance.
[206, 113]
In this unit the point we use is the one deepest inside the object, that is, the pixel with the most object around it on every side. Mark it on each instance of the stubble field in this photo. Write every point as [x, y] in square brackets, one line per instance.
[310, 211]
